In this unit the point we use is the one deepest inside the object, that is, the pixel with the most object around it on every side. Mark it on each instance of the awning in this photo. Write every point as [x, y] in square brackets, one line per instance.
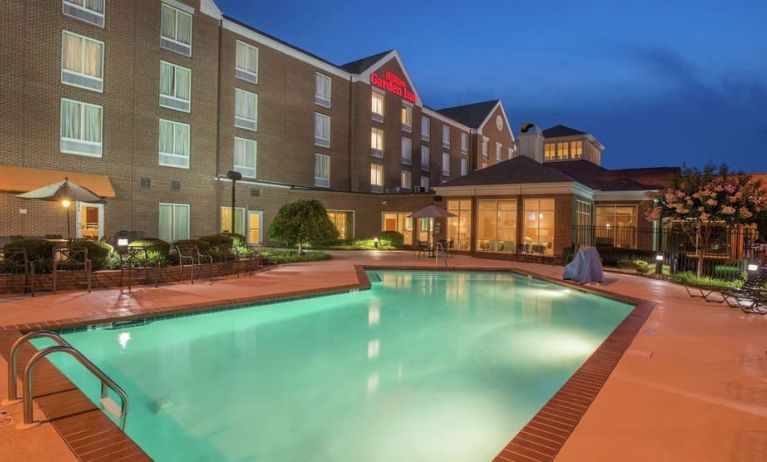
[21, 179]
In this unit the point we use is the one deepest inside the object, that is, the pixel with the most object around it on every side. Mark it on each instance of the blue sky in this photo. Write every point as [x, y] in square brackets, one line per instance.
[657, 82]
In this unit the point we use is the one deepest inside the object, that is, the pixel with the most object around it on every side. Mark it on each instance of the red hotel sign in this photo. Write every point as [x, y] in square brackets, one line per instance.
[393, 84]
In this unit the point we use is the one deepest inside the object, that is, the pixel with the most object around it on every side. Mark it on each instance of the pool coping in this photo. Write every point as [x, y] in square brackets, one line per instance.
[540, 440]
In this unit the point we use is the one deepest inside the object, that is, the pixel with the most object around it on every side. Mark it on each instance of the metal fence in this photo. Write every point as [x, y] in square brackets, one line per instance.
[725, 254]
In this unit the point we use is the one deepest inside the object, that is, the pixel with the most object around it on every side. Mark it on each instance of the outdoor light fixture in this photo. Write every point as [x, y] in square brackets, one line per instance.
[659, 264]
[659, 257]
[753, 267]
[122, 242]
[65, 203]
[375, 242]
[235, 177]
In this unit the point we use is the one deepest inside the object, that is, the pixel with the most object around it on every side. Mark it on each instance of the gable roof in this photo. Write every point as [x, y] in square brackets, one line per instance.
[561, 130]
[472, 115]
[519, 170]
[361, 65]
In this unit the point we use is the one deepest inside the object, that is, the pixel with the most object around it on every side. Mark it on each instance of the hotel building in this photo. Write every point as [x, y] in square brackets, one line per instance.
[149, 104]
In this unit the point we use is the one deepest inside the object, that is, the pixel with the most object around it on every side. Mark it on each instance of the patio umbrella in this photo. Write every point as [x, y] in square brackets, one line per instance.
[432, 211]
[65, 192]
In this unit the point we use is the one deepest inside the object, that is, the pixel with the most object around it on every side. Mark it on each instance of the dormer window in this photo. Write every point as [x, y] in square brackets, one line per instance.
[576, 149]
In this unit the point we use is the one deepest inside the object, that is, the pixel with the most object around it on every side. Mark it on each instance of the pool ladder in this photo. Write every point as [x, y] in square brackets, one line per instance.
[61, 346]
[441, 251]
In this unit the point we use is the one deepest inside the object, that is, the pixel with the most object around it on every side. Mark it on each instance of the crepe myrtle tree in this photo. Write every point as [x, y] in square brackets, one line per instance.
[300, 223]
[701, 200]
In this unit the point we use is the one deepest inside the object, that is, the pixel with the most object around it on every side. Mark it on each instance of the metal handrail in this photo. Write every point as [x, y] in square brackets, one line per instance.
[106, 381]
[12, 392]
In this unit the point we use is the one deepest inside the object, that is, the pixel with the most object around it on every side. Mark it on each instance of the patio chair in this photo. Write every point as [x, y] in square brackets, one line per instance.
[706, 293]
[752, 296]
[190, 256]
[69, 258]
[137, 258]
[422, 248]
[13, 261]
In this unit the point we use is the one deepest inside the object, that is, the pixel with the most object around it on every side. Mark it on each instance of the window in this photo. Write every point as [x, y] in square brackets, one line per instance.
[446, 136]
[376, 142]
[174, 144]
[582, 213]
[244, 159]
[407, 117]
[464, 142]
[321, 130]
[82, 62]
[406, 179]
[510, 153]
[376, 177]
[425, 128]
[175, 87]
[464, 167]
[174, 222]
[485, 143]
[377, 106]
[498, 150]
[322, 90]
[239, 220]
[90, 11]
[245, 109]
[344, 223]
[425, 158]
[445, 164]
[80, 128]
[322, 170]
[616, 225]
[549, 151]
[497, 225]
[459, 226]
[407, 151]
[576, 149]
[176, 30]
[425, 183]
[246, 62]
[400, 222]
[562, 150]
[539, 227]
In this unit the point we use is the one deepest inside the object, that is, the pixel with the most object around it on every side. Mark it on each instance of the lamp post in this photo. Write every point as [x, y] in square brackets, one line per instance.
[659, 264]
[235, 177]
[66, 203]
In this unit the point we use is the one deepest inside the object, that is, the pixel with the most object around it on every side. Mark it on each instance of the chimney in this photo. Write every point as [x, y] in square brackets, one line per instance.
[530, 141]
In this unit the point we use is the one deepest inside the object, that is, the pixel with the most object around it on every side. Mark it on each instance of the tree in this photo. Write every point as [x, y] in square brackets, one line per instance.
[300, 223]
[700, 200]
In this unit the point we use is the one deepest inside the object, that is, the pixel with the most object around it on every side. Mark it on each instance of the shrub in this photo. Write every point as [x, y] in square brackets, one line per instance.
[218, 239]
[727, 272]
[689, 278]
[625, 264]
[39, 252]
[642, 267]
[98, 252]
[202, 246]
[302, 222]
[158, 251]
[391, 239]
[292, 256]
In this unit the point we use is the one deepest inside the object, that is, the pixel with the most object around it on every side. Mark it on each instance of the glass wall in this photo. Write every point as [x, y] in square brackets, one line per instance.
[539, 227]
[400, 222]
[497, 225]
[344, 222]
[616, 225]
[459, 226]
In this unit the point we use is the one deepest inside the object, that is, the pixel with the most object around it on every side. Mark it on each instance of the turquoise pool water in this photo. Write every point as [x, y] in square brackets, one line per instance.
[422, 367]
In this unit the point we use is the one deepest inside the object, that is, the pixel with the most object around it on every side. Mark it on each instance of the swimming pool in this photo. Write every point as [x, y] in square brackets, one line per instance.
[424, 366]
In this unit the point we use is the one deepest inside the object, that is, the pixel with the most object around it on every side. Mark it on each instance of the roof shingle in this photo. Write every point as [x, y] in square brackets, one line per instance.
[471, 115]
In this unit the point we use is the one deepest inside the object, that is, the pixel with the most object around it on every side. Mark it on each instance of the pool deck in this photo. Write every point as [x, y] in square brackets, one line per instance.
[692, 385]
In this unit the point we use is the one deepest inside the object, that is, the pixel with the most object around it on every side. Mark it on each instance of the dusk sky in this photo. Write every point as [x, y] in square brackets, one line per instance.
[657, 82]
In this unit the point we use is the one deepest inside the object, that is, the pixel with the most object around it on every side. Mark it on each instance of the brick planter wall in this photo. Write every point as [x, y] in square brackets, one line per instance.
[110, 279]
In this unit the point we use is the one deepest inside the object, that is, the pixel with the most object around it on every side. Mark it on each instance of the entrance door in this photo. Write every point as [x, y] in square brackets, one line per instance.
[90, 221]
[255, 220]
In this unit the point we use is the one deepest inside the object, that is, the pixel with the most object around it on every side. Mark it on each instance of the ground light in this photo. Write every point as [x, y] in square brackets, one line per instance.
[122, 242]
[753, 267]
[659, 264]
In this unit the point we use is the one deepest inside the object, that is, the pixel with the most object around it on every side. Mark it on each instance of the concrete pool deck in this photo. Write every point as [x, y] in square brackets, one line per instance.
[692, 385]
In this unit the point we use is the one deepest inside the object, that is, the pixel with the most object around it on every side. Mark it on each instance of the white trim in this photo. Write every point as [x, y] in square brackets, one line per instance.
[327, 157]
[99, 14]
[250, 34]
[176, 98]
[82, 141]
[505, 118]
[179, 6]
[447, 120]
[516, 189]
[209, 7]
[100, 80]
[365, 76]
[621, 195]
[188, 157]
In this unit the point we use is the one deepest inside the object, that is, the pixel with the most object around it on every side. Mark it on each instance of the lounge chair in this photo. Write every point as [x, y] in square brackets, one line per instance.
[752, 297]
[707, 293]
